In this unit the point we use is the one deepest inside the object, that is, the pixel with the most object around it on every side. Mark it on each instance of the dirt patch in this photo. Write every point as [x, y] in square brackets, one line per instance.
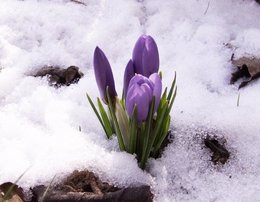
[10, 192]
[167, 140]
[58, 76]
[85, 181]
[219, 153]
[84, 186]
[248, 67]
[80, 186]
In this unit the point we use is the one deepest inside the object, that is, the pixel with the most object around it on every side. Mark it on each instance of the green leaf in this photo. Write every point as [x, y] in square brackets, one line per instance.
[165, 124]
[97, 114]
[146, 134]
[160, 74]
[9, 191]
[123, 123]
[133, 132]
[106, 121]
[172, 100]
[115, 123]
[138, 150]
[238, 99]
[160, 138]
[172, 87]
[162, 101]
[46, 191]
[158, 124]
[165, 92]
[122, 101]
[160, 119]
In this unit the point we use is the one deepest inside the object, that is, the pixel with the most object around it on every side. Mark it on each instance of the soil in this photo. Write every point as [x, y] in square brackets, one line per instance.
[219, 153]
[85, 181]
[167, 140]
[80, 186]
[84, 186]
[248, 67]
[58, 76]
[10, 192]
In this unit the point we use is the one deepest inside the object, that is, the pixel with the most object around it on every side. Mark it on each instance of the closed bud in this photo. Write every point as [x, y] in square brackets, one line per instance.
[104, 75]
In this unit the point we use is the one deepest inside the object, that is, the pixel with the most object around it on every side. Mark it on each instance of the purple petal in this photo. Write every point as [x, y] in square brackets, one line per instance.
[128, 75]
[138, 54]
[139, 93]
[146, 56]
[139, 79]
[142, 110]
[148, 87]
[150, 57]
[157, 90]
[140, 97]
[103, 74]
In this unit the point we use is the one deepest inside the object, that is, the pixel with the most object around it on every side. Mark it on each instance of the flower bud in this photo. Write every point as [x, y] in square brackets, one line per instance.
[128, 75]
[104, 75]
[157, 90]
[146, 56]
[140, 94]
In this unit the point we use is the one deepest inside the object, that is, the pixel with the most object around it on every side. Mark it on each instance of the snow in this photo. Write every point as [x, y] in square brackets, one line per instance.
[39, 125]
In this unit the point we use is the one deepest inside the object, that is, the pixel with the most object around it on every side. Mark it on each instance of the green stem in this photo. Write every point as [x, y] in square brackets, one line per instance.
[146, 134]
[117, 129]
[156, 130]
[97, 114]
[133, 132]
[172, 87]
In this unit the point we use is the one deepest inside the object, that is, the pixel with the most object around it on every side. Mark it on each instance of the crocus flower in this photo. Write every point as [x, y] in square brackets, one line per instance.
[157, 90]
[128, 75]
[140, 93]
[104, 75]
[146, 56]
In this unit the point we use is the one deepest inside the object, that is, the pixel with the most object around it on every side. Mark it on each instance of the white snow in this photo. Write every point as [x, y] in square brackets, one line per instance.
[39, 125]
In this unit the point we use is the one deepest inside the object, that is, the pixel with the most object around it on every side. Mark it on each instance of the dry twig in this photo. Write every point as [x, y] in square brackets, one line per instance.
[78, 2]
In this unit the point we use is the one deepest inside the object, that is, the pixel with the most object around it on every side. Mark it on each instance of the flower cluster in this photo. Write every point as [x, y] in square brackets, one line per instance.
[141, 119]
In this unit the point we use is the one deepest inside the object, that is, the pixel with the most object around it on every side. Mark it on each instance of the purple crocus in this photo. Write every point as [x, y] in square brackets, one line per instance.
[128, 75]
[140, 93]
[146, 56]
[104, 75]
